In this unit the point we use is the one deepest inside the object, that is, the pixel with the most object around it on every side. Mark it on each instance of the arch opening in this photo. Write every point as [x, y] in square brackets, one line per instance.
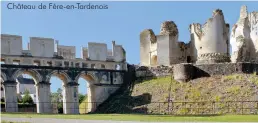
[86, 99]
[26, 92]
[118, 67]
[58, 92]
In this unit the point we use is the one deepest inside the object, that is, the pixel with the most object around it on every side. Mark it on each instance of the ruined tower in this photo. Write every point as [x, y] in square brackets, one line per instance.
[162, 49]
[244, 37]
[211, 41]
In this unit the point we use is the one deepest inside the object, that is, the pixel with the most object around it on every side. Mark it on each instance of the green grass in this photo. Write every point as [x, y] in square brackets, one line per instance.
[134, 117]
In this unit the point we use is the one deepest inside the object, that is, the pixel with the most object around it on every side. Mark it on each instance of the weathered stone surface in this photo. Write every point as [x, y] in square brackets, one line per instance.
[147, 37]
[159, 71]
[226, 68]
[241, 54]
[244, 37]
[168, 28]
[183, 72]
[210, 41]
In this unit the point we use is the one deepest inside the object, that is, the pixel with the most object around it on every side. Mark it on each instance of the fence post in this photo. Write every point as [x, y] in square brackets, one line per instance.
[159, 108]
[213, 107]
[172, 105]
[198, 108]
[242, 107]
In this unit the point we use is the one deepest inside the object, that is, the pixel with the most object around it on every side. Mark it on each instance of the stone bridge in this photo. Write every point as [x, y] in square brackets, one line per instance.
[103, 69]
[101, 83]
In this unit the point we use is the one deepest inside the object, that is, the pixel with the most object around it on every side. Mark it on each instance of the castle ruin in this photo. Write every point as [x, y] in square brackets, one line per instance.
[210, 43]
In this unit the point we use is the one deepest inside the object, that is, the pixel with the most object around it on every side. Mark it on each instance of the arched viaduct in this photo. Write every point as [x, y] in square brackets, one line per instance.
[101, 82]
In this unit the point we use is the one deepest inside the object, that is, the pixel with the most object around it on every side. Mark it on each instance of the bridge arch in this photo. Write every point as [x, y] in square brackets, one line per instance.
[59, 74]
[68, 87]
[91, 80]
[88, 76]
[35, 75]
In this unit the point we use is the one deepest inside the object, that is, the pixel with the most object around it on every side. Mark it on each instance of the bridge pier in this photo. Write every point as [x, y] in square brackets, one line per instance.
[43, 97]
[71, 100]
[11, 104]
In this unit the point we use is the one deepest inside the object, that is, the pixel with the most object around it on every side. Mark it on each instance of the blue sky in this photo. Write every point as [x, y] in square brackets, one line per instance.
[122, 22]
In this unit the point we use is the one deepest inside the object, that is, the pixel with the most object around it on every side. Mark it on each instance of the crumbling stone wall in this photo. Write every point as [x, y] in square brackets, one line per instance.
[211, 43]
[162, 49]
[244, 37]
[147, 37]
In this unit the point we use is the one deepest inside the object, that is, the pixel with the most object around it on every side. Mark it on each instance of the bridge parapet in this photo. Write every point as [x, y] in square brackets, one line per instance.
[48, 48]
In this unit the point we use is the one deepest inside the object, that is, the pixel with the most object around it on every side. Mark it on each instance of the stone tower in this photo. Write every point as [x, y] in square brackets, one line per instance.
[162, 49]
[244, 37]
[211, 41]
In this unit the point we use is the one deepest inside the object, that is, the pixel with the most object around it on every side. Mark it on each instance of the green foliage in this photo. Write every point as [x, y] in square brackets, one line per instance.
[2, 99]
[254, 78]
[217, 98]
[233, 89]
[81, 98]
[57, 97]
[183, 111]
[27, 98]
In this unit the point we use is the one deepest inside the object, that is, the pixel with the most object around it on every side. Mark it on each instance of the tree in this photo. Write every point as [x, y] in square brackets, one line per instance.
[2, 99]
[57, 98]
[27, 98]
[81, 98]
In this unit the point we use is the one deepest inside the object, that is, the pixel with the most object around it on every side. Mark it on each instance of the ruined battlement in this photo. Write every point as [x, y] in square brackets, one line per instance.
[209, 44]
[11, 45]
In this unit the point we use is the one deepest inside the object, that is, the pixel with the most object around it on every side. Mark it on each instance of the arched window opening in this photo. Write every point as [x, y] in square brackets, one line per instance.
[93, 66]
[118, 67]
[36, 63]
[16, 62]
[102, 66]
[2, 61]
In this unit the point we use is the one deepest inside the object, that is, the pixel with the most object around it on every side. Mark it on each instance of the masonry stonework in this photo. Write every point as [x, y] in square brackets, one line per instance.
[210, 43]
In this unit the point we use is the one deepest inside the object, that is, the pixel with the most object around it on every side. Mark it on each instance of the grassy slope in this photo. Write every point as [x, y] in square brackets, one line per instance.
[128, 117]
[217, 88]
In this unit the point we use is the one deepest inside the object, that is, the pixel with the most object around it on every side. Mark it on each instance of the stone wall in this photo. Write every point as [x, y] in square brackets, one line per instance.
[160, 71]
[185, 72]
[228, 68]
[67, 52]
[244, 37]
[42, 47]
[11, 44]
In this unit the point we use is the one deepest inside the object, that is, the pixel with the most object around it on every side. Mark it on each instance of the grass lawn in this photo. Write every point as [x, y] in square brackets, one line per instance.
[135, 117]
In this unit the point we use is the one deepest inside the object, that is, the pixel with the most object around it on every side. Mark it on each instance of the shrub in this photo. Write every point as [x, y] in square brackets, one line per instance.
[81, 98]
[27, 98]
[2, 99]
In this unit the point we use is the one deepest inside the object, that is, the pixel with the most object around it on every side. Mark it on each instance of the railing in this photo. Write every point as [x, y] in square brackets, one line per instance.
[165, 108]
